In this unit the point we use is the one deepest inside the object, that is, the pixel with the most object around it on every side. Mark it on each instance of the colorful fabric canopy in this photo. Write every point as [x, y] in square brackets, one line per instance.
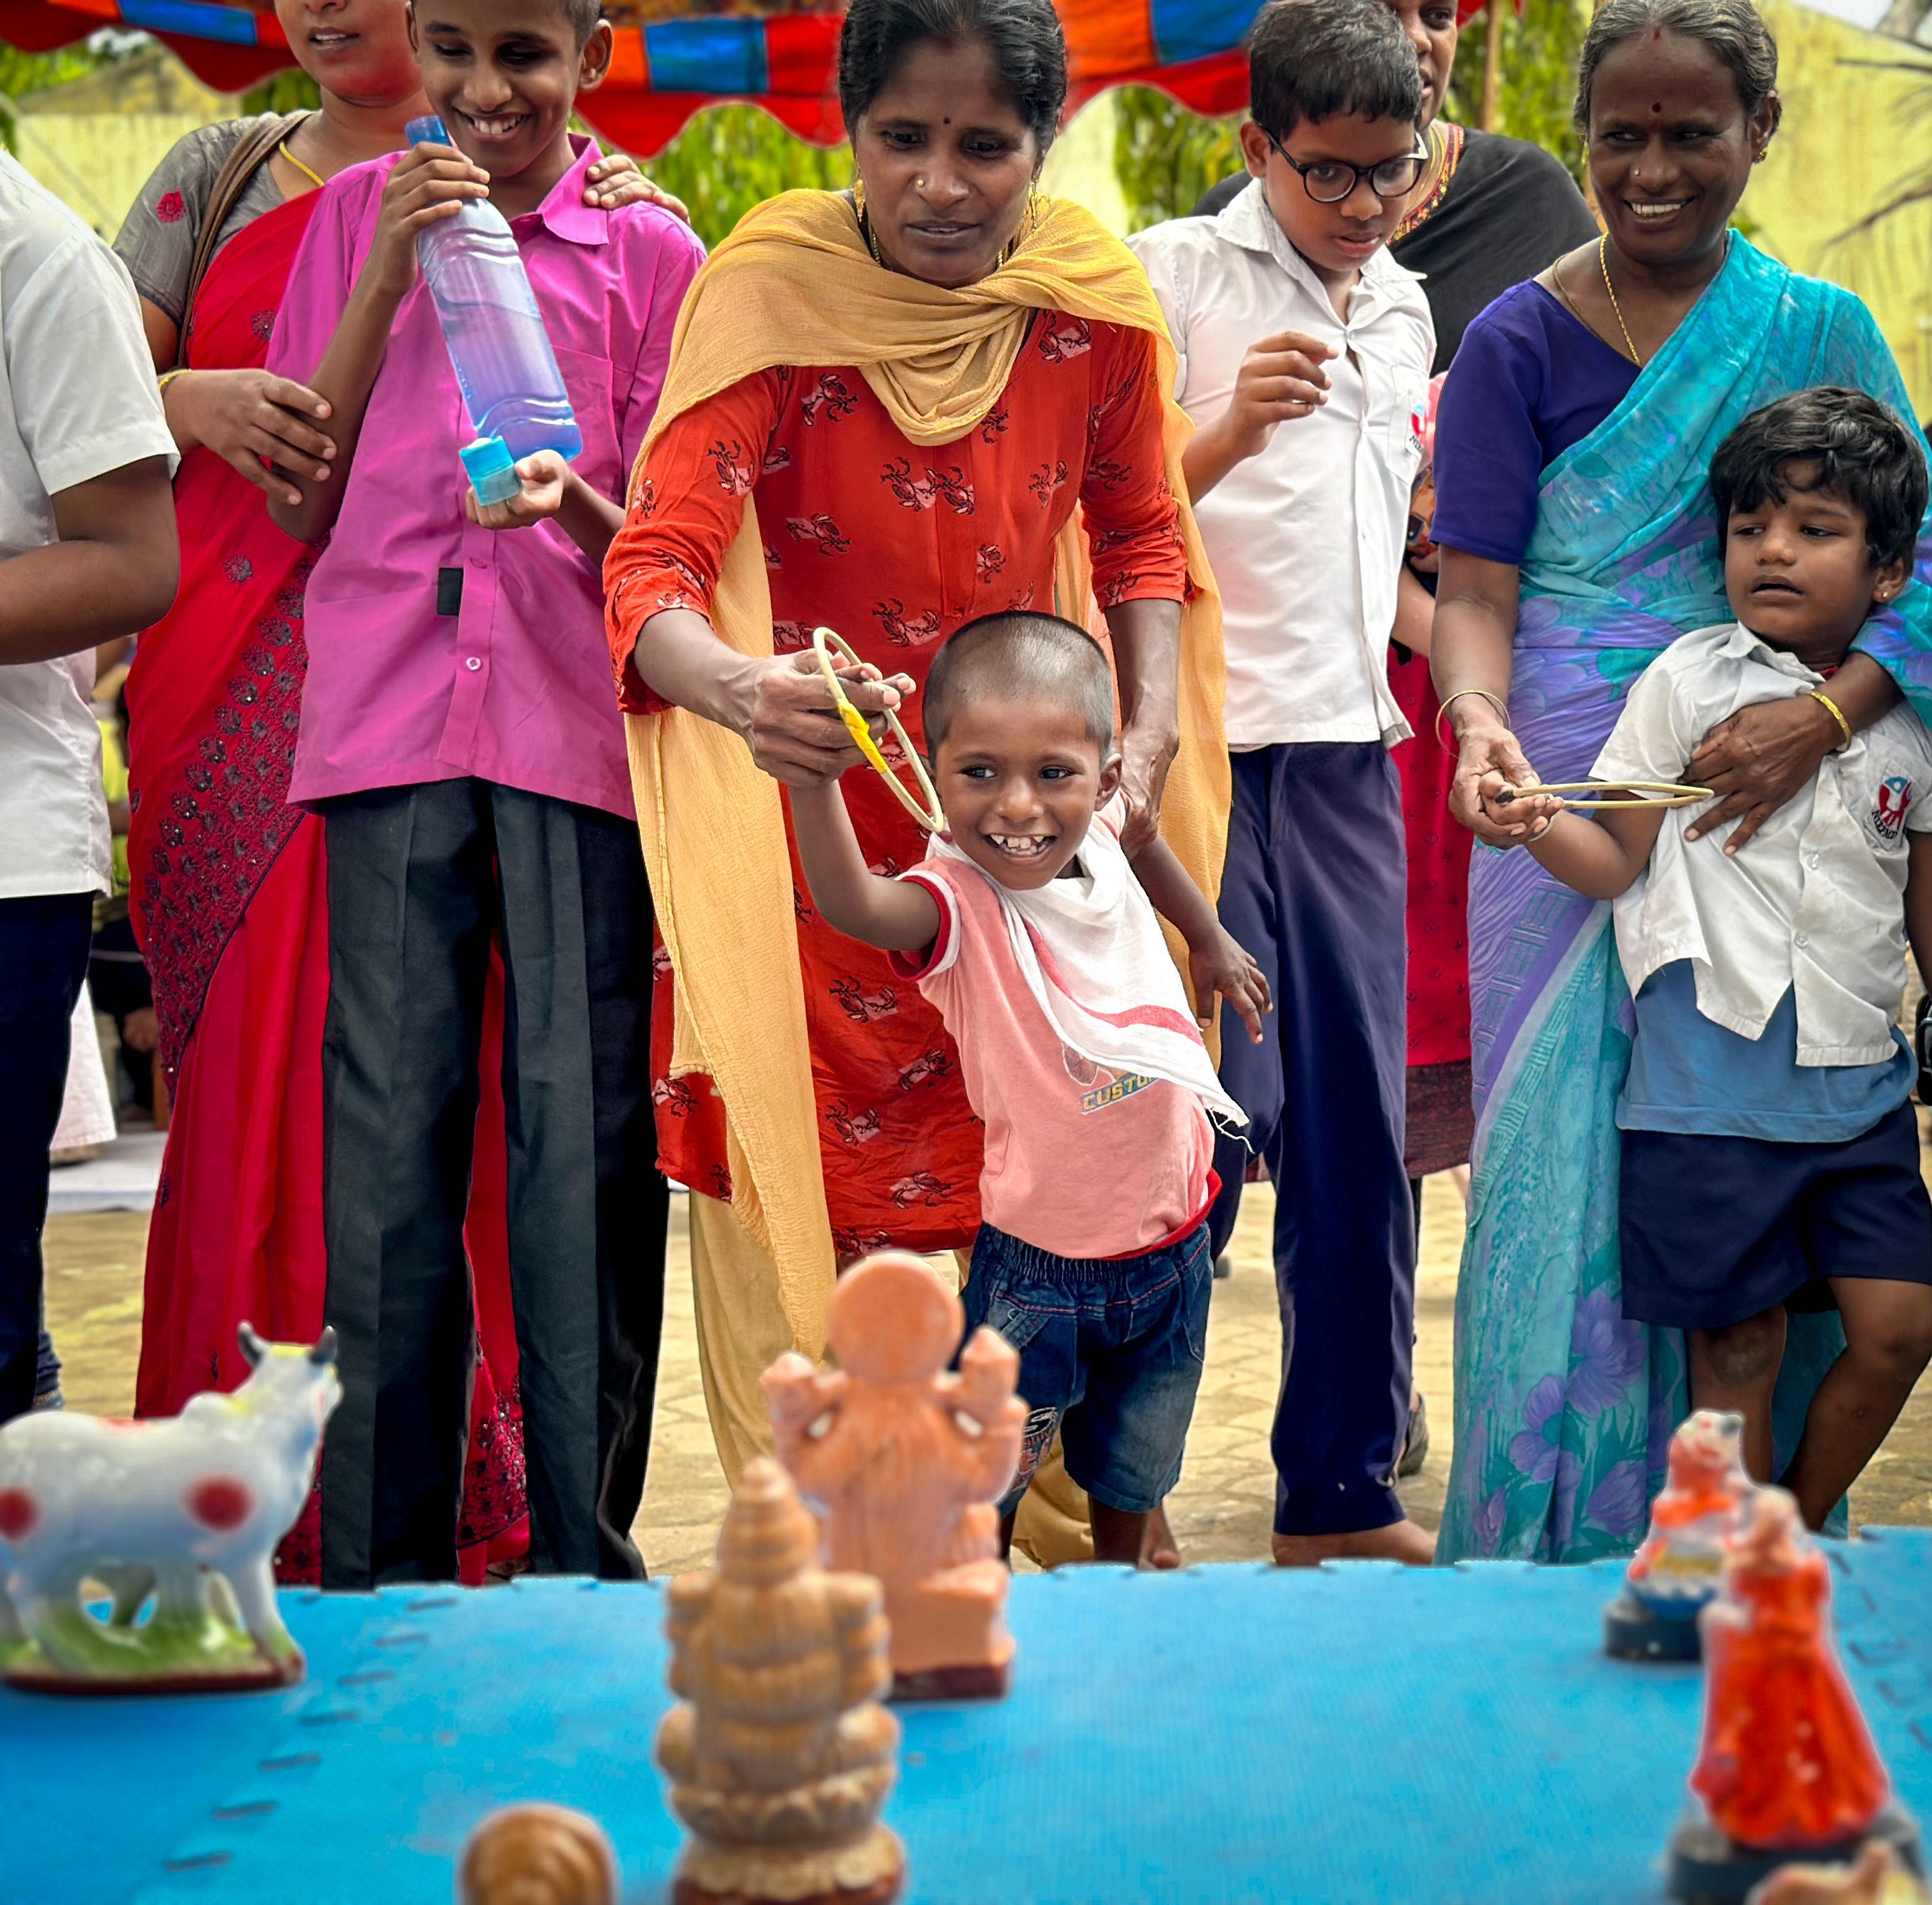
[668, 64]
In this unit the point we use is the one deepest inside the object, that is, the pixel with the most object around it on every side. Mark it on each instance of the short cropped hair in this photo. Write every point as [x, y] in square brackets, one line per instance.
[1317, 59]
[1860, 451]
[583, 16]
[1020, 654]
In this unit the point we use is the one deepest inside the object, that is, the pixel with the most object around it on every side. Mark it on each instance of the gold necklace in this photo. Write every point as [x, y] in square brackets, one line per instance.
[1617, 310]
[307, 172]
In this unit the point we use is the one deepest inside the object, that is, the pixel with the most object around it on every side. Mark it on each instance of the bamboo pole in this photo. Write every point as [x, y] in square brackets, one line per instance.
[1492, 66]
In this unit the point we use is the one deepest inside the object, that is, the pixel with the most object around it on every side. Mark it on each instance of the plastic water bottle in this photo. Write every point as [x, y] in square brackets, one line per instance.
[510, 385]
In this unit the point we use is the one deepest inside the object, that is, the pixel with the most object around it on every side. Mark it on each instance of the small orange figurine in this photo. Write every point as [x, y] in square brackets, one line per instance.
[1787, 1769]
[1675, 1575]
[907, 1463]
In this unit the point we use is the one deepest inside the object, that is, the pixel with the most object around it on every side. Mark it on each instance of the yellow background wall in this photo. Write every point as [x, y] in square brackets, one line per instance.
[1850, 136]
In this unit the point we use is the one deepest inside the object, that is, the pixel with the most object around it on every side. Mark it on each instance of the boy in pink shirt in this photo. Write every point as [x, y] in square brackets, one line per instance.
[459, 732]
[1038, 944]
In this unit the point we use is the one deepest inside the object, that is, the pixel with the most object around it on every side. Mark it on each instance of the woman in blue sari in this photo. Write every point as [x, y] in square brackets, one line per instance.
[1579, 540]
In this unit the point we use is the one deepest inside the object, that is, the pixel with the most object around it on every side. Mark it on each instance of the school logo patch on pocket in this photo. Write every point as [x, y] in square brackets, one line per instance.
[1895, 798]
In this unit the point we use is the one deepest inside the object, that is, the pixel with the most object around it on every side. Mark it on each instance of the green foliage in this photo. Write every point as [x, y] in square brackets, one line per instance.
[291, 92]
[1165, 157]
[1539, 50]
[730, 158]
[23, 72]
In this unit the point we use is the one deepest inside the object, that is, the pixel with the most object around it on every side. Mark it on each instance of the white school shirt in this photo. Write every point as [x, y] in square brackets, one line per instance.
[1813, 903]
[77, 399]
[1305, 538]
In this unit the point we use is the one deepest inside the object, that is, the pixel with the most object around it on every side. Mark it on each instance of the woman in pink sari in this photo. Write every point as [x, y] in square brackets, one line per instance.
[229, 883]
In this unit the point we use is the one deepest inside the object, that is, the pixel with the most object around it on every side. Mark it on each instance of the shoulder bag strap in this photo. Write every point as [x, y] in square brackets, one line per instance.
[251, 152]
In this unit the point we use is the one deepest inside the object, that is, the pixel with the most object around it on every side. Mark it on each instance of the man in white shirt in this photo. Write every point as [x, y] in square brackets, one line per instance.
[87, 553]
[1305, 353]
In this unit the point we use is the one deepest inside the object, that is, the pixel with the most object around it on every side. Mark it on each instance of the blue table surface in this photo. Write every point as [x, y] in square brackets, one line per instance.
[1360, 1732]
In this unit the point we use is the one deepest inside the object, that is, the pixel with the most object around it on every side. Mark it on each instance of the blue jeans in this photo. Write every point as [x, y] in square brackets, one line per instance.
[1110, 1349]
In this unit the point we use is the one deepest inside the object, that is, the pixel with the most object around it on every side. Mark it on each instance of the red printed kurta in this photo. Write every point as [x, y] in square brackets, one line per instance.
[894, 545]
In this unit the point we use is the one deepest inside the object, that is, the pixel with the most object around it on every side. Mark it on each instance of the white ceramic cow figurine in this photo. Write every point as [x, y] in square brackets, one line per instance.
[186, 1511]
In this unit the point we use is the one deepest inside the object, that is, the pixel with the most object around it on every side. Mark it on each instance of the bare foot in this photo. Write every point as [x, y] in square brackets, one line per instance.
[1400, 1540]
[1159, 1549]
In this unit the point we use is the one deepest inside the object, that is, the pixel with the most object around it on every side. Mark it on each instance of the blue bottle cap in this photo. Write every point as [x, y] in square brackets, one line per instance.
[491, 468]
[428, 131]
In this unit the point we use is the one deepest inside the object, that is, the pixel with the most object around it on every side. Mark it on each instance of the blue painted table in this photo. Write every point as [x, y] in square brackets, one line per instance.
[1232, 1733]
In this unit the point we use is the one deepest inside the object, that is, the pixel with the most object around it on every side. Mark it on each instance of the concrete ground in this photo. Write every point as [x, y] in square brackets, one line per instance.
[1222, 1510]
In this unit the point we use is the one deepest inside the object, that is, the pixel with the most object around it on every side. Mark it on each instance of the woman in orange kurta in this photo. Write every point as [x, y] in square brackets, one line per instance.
[903, 394]
[894, 546]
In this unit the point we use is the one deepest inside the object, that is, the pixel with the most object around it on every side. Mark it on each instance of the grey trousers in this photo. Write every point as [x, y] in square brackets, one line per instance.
[420, 879]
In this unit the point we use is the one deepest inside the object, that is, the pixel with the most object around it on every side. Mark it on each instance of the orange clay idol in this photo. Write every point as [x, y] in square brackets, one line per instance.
[1787, 1768]
[1673, 1576]
[907, 1463]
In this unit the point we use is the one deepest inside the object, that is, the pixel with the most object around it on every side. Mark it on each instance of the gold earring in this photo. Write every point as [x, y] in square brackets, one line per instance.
[859, 196]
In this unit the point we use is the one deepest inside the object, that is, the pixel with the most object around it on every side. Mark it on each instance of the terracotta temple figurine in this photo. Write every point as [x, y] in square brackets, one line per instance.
[537, 1855]
[1787, 1768]
[1674, 1576]
[185, 1511]
[907, 1464]
[781, 1759]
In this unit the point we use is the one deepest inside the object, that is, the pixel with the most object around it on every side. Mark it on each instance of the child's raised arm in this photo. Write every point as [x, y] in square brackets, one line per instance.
[1219, 964]
[428, 184]
[896, 916]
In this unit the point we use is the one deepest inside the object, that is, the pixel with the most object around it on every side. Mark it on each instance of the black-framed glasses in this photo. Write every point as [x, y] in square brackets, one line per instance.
[1328, 181]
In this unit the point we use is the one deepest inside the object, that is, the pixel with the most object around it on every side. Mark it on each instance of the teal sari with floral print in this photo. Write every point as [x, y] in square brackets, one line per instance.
[1563, 1409]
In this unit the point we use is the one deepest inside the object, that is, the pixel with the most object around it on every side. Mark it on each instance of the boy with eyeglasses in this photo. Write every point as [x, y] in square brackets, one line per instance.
[1305, 353]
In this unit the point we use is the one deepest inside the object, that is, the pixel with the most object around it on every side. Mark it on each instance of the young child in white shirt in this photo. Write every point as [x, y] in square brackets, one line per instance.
[1305, 353]
[1768, 1143]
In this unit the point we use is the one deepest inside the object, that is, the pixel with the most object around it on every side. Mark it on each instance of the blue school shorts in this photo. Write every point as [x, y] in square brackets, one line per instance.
[1715, 1230]
[1110, 1351]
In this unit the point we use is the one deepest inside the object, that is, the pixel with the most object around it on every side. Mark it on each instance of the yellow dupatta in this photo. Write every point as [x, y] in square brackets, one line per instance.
[794, 284]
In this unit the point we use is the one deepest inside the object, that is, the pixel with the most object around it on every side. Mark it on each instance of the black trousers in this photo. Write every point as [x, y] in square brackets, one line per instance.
[1316, 888]
[420, 879]
[44, 943]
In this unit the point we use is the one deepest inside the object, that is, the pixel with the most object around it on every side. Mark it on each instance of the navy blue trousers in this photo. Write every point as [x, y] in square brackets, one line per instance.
[43, 944]
[1316, 888]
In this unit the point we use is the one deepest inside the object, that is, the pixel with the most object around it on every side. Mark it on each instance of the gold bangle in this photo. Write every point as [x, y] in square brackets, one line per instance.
[168, 376]
[1836, 713]
[1494, 701]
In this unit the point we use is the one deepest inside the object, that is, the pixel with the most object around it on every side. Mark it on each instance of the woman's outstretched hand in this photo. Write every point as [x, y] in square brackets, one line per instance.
[1757, 760]
[1485, 747]
[789, 722]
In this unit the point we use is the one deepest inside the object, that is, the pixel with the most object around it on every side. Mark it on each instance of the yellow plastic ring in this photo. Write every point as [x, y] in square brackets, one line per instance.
[927, 811]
